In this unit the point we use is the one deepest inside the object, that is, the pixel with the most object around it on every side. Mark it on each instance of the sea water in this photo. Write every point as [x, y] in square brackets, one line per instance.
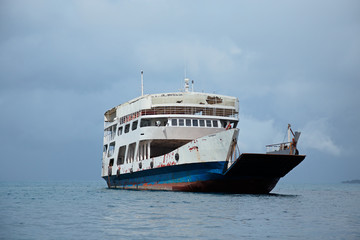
[88, 210]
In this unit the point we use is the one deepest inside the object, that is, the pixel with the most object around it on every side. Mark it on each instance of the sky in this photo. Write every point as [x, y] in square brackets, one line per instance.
[64, 63]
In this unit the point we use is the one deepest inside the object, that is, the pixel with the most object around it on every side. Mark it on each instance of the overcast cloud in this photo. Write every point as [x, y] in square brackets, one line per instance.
[64, 63]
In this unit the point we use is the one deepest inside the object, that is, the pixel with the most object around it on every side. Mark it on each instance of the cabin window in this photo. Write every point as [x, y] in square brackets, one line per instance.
[163, 121]
[105, 150]
[215, 123]
[195, 122]
[120, 130]
[107, 132]
[145, 123]
[202, 123]
[111, 149]
[208, 123]
[188, 122]
[110, 132]
[127, 128]
[121, 155]
[173, 122]
[181, 122]
[134, 125]
[111, 163]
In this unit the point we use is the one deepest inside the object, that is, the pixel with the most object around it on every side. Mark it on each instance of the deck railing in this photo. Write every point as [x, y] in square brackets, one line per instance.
[178, 110]
[191, 110]
[277, 147]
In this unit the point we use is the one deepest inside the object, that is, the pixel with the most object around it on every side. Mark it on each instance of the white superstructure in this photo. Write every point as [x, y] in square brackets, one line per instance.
[147, 132]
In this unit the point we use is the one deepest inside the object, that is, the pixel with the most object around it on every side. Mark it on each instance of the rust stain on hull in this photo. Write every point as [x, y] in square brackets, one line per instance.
[253, 186]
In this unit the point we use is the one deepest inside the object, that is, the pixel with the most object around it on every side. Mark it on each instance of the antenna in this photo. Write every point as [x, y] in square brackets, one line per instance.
[185, 68]
[142, 83]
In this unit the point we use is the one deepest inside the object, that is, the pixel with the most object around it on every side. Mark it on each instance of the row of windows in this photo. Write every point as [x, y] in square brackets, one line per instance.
[194, 122]
[127, 127]
[142, 153]
[173, 122]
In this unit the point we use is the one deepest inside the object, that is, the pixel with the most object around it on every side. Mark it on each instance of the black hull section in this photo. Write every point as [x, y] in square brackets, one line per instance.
[264, 165]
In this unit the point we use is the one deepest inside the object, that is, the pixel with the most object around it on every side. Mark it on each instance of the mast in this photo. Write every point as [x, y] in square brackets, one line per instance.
[142, 83]
[288, 132]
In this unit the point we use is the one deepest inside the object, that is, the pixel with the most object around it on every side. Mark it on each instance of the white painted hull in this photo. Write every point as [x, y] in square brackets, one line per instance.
[216, 147]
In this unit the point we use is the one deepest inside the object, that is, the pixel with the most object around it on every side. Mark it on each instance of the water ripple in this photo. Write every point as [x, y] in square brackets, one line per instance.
[83, 210]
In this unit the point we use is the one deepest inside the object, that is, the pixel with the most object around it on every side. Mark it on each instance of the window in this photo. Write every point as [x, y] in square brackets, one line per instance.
[202, 123]
[110, 132]
[145, 123]
[134, 125]
[121, 155]
[173, 122]
[111, 149]
[195, 122]
[215, 123]
[188, 122]
[120, 130]
[208, 123]
[111, 163]
[127, 128]
[181, 122]
[105, 150]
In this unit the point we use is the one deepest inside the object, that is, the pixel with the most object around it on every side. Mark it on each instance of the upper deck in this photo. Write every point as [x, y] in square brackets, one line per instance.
[181, 103]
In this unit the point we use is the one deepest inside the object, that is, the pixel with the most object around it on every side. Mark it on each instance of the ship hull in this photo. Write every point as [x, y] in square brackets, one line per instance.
[250, 173]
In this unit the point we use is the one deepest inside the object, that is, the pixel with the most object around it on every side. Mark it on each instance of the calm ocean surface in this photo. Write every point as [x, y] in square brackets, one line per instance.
[88, 210]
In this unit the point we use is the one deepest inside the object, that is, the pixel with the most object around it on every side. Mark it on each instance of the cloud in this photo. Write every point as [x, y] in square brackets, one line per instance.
[316, 135]
[64, 63]
[197, 54]
[255, 134]
[213, 64]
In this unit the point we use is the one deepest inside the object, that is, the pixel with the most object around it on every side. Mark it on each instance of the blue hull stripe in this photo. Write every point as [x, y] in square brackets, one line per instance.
[172, 174]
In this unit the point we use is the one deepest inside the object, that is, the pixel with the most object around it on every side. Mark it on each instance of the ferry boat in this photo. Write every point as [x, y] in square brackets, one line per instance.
[187, 141]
